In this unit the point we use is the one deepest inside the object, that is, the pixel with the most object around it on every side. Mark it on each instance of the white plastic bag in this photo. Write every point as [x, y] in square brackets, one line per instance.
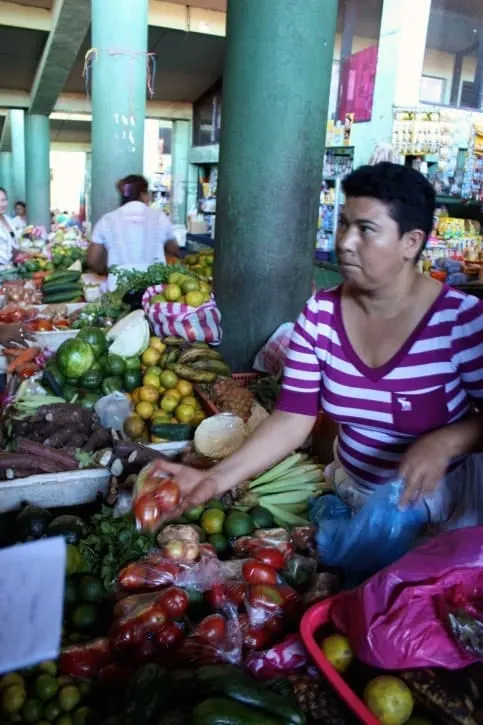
[271, 358]
[113, 410]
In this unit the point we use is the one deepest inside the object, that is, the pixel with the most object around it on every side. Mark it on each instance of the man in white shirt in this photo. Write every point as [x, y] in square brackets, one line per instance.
[132, 236]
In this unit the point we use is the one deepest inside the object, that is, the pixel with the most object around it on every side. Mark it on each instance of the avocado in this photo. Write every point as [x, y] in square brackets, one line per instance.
[32, 522]
[72, 528]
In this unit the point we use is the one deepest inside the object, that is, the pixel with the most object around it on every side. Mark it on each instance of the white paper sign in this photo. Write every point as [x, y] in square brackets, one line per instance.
[31, 602]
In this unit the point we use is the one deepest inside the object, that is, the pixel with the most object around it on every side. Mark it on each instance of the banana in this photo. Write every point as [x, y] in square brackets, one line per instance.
[213, 366]
[188, 373]
[195, 354]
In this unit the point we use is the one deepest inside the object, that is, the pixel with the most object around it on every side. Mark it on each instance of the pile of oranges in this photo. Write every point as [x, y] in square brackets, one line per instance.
[163, 397]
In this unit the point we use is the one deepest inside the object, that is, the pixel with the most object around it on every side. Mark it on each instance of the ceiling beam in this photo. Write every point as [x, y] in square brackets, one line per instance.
[164, 14]
[78, 104]
[71, 20]
[24, 16]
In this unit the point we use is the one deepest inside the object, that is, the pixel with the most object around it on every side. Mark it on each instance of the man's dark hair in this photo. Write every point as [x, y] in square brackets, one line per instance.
[410, 198]
[131, 188]
[21, 203]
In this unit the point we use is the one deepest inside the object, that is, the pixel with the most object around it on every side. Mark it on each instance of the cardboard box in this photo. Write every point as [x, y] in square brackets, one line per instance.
[197, 227]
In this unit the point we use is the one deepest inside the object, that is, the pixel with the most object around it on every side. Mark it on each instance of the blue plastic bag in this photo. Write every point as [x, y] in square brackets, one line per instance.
[374, 537]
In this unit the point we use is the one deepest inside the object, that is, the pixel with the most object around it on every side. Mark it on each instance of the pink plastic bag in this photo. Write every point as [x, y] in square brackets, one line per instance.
[285, 658]
[202, 324]
[394, 620]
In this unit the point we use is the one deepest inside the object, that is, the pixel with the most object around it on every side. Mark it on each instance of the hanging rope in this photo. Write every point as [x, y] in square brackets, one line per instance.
[93, 54]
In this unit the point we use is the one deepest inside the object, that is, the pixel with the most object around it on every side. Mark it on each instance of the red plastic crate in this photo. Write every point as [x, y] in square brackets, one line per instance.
[313, 619]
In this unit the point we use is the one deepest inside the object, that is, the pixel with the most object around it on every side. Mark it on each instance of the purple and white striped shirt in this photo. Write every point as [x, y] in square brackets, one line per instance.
[432, 381]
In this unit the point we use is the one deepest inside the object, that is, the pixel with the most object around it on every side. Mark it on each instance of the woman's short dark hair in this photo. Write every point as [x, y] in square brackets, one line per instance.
[21, 203]
[4, 191]
[131, 188]
[410, 198]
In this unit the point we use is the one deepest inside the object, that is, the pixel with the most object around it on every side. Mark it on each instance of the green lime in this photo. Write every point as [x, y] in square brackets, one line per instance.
[212, 521]
[73, 560]
[65, 680]
[220, 543]
[49, 666]
[91, 380]
[194, 513]
[64, 720]
[133, 363]
[238, 524]
[52, 710]
[89, 400]
[70, 593]
[81, 716]
[261, 517]
[91, 589]
[13, 678]
[69, 698]
[46, 687]
[32, 710]
[85, 688]
[84, 617]
[116, 365]
[215, 503]
[42, 722]
[132, 379]
[13, 698]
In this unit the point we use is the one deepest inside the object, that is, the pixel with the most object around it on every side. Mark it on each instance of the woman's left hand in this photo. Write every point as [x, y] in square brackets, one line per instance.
[14, 334]
[424, 465]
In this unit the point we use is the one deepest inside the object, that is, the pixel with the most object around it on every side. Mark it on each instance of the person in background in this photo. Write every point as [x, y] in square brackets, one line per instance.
[394, 357]
[8, 237]
[134, 235]
[20, 219]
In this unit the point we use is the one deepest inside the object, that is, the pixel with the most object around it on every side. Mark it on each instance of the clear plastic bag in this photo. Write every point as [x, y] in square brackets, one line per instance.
[464, 619]
[376, 536]
[216, 639]
[271, 358]
[156, 571]
[113, 410]
[154, 496]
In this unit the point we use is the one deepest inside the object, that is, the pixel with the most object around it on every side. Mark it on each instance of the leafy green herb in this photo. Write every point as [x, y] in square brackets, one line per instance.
[111, 544]
[130, 280]
[110, 307]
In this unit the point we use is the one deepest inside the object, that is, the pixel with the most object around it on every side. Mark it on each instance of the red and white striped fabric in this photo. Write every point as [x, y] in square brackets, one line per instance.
[202, 324]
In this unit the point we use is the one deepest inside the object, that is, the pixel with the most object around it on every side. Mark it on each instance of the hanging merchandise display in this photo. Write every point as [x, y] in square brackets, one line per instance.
[338, 162]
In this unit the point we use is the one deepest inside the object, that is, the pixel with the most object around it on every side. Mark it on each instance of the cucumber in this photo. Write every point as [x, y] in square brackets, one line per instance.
[73, 296]
[173, 431]
[221, 711]
[147, 695]
[241, 687]
[63, 277]
[61, 287]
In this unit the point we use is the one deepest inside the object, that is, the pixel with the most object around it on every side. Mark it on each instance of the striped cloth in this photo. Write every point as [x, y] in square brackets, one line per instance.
[432, 381]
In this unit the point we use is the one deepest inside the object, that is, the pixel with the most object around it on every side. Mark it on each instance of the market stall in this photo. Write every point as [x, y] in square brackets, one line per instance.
[194, 619]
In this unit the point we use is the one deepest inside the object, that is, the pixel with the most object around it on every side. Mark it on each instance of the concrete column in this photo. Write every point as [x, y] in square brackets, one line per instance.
[400, 61]
[180, 145]
[119, 71]
[192, 187]
[275, 95]
[37, 154]
[6, 177]
[17, 126]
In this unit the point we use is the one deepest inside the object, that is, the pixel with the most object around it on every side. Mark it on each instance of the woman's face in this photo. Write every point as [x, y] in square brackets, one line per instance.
[19, 210]
[3, 202]
[370, 251]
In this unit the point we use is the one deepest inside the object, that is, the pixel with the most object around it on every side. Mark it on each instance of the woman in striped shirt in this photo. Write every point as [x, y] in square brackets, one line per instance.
[394, 357]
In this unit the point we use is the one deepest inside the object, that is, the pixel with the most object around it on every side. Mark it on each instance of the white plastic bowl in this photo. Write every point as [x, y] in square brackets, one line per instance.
[220, 435]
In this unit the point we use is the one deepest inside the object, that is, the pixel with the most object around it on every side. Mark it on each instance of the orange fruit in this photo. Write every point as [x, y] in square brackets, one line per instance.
[337, 649]
[168, 379]
[169, 402]
[185, 414]
[148, 394]
[145, 410]
[151, 357]
[184, 387]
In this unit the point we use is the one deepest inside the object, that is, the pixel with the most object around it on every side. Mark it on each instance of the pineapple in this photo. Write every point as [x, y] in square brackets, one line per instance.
[318, 701]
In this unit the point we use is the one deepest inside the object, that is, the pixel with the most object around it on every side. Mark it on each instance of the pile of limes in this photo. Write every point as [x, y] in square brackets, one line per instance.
[219, 525]
[41, 696]
[201, 264]
[83, 599]
[184, 289]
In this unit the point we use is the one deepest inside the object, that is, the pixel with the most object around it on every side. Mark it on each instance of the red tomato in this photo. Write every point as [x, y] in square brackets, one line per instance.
[269, 556]
[127, 606]
[256, 573]
[235, 592]
[265, 597]
[216, 596]
[124, 635]
[211, 629]
[174, 601]
[62, 324]
[167, 495]
[194, 652]
[169, 636]
[292, 602]
[147, 512]
[253, 638]
[115, 676]
[85, 660]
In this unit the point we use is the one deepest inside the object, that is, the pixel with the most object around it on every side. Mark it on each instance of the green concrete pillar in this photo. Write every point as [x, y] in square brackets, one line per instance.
[37, 155]
[180, 146]
[6, 177]
[17, 128]
[275, 95]
[119, 70]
